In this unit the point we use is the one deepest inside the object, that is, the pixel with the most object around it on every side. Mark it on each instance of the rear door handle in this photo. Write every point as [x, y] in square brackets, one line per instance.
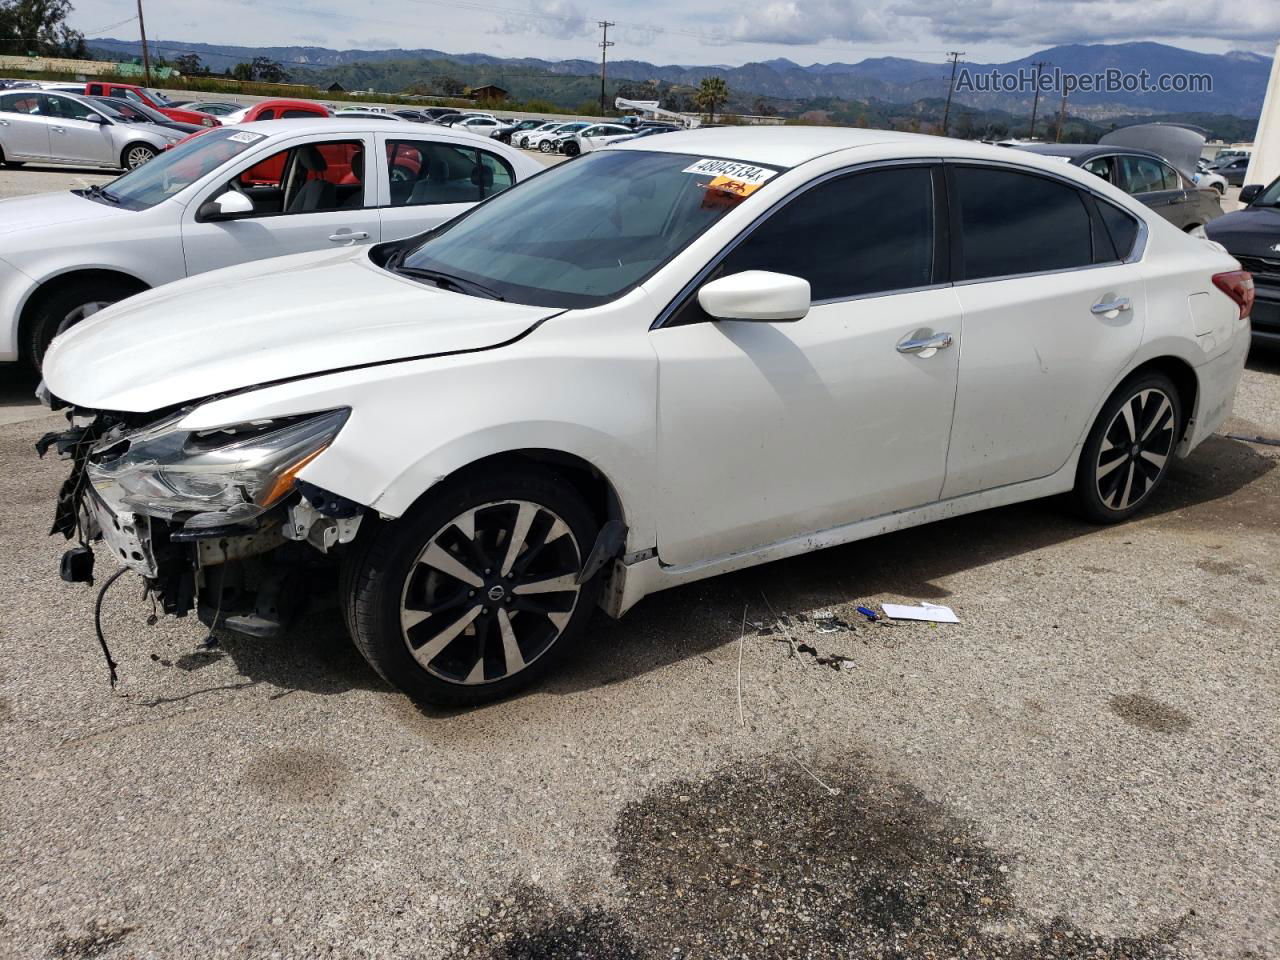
[924, 346]
[1111, 306]
[348, 237]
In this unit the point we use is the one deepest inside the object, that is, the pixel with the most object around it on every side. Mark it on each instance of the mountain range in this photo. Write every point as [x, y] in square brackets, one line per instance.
[1239, 78]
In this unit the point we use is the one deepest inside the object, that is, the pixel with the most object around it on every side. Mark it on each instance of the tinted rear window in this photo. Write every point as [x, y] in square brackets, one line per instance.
[1014, 223]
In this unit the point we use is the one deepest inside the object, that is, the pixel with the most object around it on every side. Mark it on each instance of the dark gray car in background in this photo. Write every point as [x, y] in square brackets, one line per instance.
[1145, 175]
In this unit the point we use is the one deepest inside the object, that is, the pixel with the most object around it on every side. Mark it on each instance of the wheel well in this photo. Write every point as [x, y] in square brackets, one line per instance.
[136, 143]
[45, 289]
[592, 485]
[1183, 377]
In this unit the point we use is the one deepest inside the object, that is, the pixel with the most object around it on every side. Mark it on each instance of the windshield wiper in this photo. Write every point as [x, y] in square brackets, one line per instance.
[449, 282]
[98, 190]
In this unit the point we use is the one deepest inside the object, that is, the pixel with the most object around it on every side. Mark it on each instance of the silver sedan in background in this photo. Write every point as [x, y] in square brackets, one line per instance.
[41, 127]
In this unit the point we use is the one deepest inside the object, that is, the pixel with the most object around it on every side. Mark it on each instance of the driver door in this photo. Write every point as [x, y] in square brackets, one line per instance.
[315, 194]
[769, 431]
[72, 136]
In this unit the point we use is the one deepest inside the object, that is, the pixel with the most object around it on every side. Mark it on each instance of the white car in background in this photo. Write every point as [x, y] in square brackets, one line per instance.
[483, 126]
[594, 137]
[37, 126]
[521, 139]
[542, 140]
[231, 195]
[627, 373]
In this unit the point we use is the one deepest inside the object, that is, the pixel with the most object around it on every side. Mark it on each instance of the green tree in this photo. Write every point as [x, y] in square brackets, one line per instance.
[189, 65]
[268, 70]
[39, 26]
[712, 93]
[242, 71]
[450, 86]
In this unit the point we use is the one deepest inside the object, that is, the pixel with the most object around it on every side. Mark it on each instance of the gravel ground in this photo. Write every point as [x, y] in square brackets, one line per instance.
[1085, 766]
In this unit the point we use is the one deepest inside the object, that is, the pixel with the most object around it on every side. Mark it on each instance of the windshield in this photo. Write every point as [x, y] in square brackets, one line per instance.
[586, 232]
[176, 169]
[156, 97]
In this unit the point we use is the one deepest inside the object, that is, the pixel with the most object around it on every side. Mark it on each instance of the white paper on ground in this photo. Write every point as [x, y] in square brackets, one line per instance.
[926, 611]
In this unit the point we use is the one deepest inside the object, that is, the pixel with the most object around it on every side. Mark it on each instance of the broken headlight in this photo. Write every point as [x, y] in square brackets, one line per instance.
[209, 478]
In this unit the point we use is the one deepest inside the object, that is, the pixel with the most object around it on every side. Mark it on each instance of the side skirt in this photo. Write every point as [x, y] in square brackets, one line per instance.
[630, 583]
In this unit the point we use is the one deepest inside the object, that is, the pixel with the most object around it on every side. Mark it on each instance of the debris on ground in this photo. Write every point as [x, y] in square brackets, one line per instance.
[933, 612]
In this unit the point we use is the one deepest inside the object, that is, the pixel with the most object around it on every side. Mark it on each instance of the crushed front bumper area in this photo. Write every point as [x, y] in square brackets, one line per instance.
[252, 576]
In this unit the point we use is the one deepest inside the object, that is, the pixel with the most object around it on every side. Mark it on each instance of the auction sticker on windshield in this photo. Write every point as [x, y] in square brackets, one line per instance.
[745, 173]
[246, 136]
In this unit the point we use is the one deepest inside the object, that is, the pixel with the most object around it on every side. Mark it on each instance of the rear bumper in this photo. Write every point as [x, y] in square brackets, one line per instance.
[1266, 313]
[1218, 379]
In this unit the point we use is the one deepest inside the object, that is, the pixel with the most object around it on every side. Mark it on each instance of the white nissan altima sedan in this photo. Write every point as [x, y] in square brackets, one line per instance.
[231, 195]
[657, 363]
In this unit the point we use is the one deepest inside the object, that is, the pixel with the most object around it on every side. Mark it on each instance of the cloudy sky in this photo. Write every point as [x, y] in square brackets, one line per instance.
[676, 31]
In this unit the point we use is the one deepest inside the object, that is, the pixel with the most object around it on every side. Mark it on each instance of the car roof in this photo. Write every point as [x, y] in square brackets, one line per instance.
[1079, 152]
[340, 125]
[792, 145]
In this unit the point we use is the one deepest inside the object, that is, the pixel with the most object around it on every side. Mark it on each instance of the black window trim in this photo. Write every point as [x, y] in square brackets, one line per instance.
[1139, 243]
[220, 186]
[426, 138]
[943, 236]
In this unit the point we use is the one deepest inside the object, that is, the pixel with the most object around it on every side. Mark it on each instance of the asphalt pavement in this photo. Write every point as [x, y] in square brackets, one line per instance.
[1084, 766]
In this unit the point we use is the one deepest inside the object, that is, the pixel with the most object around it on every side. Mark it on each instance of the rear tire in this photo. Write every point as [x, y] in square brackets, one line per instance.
[571, 149]
[545, 146]
[1127, 454]
[65, 306]
[444, 611]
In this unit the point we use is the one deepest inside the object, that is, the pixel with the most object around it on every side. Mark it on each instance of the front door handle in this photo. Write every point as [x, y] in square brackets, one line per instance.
[925, 346]
[1112, 307]
[348, 237]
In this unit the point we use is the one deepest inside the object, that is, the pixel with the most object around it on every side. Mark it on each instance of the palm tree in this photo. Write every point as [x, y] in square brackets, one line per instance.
[712, 92]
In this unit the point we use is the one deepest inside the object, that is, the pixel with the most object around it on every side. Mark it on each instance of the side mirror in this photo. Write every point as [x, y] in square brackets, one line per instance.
[225, 206]
[98, 119]
[1250, 193]
[758, 295]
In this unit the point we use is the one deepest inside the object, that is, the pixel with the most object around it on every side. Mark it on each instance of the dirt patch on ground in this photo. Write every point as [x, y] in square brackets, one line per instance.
[764, 861]
[97, 941]
[1149, 713]
[296, 775]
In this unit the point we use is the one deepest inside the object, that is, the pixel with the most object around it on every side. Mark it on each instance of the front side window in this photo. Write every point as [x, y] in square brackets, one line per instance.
[581, 233]
[134, 96]
[67, 109]
[422, 172]
[1169, 178]
[175, 170]
[309, 178]
[1141, 175]
[1014, 223]
[845, 239]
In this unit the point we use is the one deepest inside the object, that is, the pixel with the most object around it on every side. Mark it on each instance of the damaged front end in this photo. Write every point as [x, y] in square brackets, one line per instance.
[213, 520]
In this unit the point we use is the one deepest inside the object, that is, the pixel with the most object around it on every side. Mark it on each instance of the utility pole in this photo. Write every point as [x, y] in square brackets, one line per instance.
[954, 56]
[1062, 114]
[146, 57]
[605, 44]
[1039, 65]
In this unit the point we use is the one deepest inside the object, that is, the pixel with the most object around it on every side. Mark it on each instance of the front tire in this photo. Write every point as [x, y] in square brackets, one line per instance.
[136, 154]
[1130, 448]
[473, 594]
[545, 146]
[571, 149]
[67, 306]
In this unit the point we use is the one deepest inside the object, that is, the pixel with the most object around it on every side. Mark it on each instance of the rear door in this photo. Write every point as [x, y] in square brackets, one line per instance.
[24, 125]
[310, 195]
[426, 182]
[1036, 261]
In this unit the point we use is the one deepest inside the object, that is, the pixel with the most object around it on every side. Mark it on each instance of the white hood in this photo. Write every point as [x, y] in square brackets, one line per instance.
[24, 214]
[267, 321]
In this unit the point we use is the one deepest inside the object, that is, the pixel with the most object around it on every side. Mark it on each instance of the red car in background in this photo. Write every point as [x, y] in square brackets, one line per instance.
[150, 98]
[277, 109]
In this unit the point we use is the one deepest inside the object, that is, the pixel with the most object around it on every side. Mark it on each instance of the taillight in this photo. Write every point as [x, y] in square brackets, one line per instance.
[1238, 285]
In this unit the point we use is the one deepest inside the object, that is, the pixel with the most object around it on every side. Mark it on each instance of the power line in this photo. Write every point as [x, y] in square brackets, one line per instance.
[954, 56]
